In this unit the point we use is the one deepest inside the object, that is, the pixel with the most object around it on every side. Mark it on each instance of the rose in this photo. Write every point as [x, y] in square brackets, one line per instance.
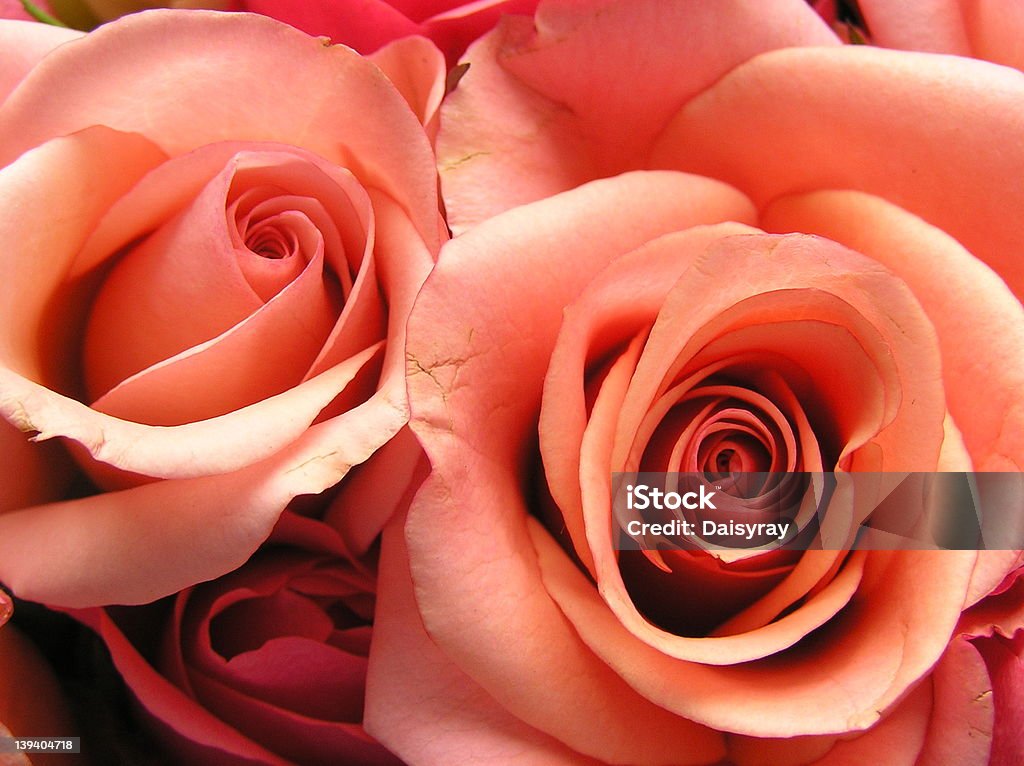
[650, 334]
[31, 701]
[365, 26]
[761, 121]
[209, 264]
[264, 665]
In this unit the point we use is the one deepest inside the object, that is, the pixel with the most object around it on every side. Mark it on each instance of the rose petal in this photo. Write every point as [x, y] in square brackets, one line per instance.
[945, 145]
[24, 44]
[421, 705]
[87, 83]
[963, 713]
[1005, 662]
[365, 25]
[203, 448]
[917, 25]
[995, 31]
[137, 545]
[416, 67]
[550, 127]
[72, 175]
[195, 733]
[979, 324]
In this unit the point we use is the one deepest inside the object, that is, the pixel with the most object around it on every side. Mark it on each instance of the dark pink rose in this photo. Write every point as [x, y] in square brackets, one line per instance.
[266, 665]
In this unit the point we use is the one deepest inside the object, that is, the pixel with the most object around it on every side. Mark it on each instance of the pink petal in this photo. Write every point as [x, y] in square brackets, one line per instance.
[962, 711]
[978, 322]
[24, 44]
[137, 545]
[1005, 662]
[957, 162]
[935, 26]
[193, 731]
[421, 705]
[184, 61]
[583, 90]
[995, 31]
[416, 67]
[365, 25]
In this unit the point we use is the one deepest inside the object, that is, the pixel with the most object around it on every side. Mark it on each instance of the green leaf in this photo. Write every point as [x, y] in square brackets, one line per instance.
[39, 14]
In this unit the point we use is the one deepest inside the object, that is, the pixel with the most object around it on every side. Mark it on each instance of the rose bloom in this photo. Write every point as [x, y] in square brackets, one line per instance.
[31, 701]
[365, 25]
[264, 665]
[812, 271]
[215, 227]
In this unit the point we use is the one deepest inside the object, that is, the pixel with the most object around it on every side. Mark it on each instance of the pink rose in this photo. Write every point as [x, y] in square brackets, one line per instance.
[264, 665]
[365, 25]
[610, 325]
[215, 228]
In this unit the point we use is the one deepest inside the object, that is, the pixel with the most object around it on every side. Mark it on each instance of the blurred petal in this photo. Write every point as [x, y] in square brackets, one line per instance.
[24, 44]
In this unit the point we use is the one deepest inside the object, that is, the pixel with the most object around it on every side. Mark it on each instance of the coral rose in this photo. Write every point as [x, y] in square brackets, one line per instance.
[648, 318]
[626, 325]
[215, 227]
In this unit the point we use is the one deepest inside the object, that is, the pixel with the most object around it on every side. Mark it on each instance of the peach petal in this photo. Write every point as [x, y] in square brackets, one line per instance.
[87, 83]
[73, 175]
[203, 448]
[374, 491]
[549, 127]
[523, 652]
[264, 355]
[978, 322]
[995, 31]
[140, 544]
[945, 145]
[856, 293]
[935, 26]
[875, 652]
[593, 325]
[897, 738]
[34, 472]
[403, 260]
[963, 713]
[421, 705]
[24, 44]
[416, 67]
[814, 569]
[173, 185]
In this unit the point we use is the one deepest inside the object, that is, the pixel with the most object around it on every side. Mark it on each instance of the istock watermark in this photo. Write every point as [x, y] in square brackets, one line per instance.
[818, 511]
